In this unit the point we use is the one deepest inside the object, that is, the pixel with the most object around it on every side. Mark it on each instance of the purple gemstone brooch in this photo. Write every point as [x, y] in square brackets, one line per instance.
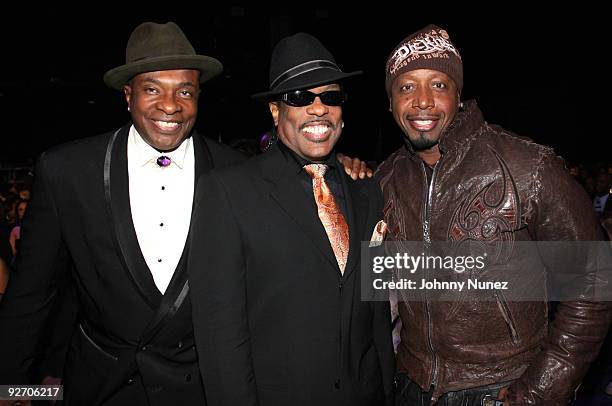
[163, 161]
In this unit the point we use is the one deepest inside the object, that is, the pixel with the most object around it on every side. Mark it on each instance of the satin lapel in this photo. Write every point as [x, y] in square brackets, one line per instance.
[178, 288]
[203, 159]
[357, 205]
[116, 187]
[288, 193]
[172, 300]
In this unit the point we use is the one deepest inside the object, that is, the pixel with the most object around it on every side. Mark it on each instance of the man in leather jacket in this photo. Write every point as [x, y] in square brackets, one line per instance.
[459, 178]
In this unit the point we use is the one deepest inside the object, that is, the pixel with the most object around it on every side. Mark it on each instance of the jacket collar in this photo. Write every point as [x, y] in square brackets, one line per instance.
[282, 174]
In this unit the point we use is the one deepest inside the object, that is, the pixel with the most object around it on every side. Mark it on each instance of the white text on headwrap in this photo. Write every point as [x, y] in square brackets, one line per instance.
[434, 44]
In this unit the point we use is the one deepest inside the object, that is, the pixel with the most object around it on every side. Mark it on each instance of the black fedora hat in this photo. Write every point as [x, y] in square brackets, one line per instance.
[300, 61]
[153, 47]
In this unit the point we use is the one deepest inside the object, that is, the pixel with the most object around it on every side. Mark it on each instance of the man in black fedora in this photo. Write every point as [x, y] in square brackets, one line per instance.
[117, 207]
[277, 309]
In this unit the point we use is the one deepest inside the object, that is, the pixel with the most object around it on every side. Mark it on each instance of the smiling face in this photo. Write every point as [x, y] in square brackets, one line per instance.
[164, 106]
[424, 103]
[310, 131]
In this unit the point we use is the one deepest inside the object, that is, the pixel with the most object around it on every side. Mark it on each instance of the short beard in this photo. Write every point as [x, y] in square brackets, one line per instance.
[422, 143]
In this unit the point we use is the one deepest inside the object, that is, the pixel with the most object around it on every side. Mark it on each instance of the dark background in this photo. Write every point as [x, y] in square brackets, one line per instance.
[529, 70]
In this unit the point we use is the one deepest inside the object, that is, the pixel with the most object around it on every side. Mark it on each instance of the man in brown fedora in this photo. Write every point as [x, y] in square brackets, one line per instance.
[116, 208]
[276, 298]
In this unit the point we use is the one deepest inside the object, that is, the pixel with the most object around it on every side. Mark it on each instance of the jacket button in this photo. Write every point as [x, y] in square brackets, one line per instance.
[188, 378]
[143, 348]
[180, 344]
[130, 381]
[337, 384]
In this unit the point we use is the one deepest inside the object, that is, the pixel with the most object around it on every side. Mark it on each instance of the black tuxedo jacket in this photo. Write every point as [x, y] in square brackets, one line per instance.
[275, 321]
[132, 345]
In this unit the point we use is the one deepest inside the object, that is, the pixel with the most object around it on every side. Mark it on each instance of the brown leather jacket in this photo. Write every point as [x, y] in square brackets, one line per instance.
[523, 189]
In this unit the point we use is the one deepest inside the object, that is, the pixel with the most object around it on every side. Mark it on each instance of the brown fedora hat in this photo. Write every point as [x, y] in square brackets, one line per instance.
[154, 47]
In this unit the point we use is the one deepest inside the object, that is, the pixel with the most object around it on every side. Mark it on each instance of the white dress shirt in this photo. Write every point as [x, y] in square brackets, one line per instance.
[160, 200]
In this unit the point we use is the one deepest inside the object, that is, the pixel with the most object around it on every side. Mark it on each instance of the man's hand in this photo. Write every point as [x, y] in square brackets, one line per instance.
[15, 403]
[51, 380]
[354, 167]
[502, 396]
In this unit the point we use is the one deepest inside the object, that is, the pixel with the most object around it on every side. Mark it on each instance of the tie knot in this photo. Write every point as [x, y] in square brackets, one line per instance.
[316, 171]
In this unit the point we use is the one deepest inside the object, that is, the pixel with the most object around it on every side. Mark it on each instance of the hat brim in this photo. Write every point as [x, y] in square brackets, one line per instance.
[209, 68]
[307, 80]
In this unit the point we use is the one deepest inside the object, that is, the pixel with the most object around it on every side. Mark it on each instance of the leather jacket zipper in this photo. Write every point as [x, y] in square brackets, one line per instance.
[427, 239]
[507, 315]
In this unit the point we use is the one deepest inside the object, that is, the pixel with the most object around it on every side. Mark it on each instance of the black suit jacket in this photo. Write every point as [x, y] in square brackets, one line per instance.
[275, 321]
[132, 345]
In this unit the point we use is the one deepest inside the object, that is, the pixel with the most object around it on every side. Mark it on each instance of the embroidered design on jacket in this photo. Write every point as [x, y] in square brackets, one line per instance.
[489, 217]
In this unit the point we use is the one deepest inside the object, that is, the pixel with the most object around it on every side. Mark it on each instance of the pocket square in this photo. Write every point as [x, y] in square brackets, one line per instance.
[378, 235]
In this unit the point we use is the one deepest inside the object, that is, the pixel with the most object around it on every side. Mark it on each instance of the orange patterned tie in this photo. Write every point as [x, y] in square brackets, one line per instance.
[330, 214]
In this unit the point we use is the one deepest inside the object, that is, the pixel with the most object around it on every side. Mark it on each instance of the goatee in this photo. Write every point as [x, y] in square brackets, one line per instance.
[422, 143]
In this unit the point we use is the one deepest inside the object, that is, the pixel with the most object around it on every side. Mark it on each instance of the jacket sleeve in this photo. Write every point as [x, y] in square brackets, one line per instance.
[217, 274]
[32, 286]
[561, 211]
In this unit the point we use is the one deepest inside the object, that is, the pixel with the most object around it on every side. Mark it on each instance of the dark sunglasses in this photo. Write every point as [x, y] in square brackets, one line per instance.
[301, 98]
